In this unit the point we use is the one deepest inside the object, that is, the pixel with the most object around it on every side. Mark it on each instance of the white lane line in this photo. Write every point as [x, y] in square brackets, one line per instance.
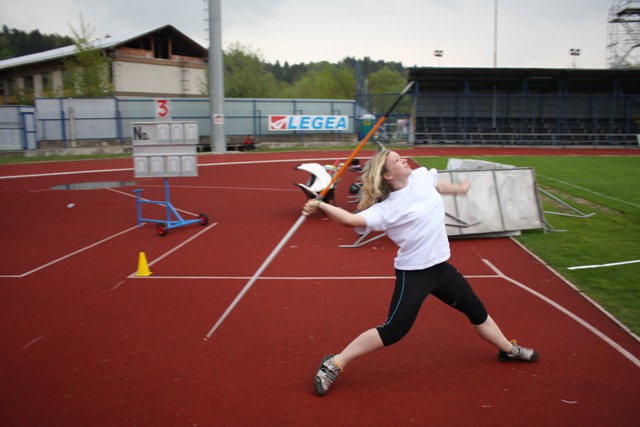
[116, 286]
[573, 316]
[591, 191]
[611, 264]
[292, 278]
[86, 248]
[166, 254]
[244, 162]
[578, 290]
[38, 175]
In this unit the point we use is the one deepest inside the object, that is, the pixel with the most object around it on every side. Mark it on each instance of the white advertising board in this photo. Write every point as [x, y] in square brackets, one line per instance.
[308, 123]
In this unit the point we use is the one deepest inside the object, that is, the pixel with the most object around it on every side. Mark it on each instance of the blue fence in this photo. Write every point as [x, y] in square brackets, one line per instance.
[17, 128]
[435, 118]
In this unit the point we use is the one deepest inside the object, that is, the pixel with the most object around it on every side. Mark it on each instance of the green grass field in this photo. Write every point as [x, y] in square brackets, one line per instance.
[606, 186]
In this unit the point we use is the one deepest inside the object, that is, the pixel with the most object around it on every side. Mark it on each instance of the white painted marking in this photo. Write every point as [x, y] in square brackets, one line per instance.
[86, 248]
[611, 264]
[575, 288]
[166, 254]
[33, 341]
[591, 191]
[117, 286]
[291, 278]
[573, 316]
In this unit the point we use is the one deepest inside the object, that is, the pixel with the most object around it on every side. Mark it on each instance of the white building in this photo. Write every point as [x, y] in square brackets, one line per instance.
[158, 62]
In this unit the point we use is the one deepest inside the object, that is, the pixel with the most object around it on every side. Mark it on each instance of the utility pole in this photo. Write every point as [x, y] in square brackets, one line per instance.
[495, 64]
[217, 139]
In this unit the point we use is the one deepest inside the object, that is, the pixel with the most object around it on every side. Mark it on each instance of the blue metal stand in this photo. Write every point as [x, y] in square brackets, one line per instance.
[174, 219]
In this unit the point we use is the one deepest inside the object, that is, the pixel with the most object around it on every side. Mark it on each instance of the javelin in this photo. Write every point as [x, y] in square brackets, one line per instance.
[302, 218]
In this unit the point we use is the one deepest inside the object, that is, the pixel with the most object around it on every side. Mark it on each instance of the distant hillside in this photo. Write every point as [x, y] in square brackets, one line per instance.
[14, 43]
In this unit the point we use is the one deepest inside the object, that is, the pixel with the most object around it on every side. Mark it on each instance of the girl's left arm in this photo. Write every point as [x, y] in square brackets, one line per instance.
[453, 188]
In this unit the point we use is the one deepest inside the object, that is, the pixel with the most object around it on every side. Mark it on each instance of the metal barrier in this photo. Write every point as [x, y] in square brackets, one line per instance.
[516, 138]
[70, 120]
[17, 128]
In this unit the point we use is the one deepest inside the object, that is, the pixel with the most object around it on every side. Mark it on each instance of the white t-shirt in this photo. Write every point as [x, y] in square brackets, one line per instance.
[413, 218]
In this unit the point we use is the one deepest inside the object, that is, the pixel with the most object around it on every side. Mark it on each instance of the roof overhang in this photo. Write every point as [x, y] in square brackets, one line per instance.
[533, 80]
[107, 43]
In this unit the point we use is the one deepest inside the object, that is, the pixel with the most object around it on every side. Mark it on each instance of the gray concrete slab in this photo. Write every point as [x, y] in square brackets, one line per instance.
[501, 201]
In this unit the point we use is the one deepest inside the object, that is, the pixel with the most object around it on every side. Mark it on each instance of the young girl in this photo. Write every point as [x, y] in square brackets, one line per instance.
[407, 206]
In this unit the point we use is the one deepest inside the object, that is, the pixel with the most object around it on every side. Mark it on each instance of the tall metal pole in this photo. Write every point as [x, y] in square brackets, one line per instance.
[217, 139]
[495, 62]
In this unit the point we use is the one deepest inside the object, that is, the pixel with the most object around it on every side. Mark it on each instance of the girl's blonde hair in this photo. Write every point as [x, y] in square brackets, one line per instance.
[374, 187]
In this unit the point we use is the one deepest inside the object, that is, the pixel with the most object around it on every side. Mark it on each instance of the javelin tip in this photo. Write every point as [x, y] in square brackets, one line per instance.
[407, 88]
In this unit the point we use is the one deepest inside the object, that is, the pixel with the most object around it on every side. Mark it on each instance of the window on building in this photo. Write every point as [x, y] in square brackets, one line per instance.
[161, 48]
[28, 84]
[142, 43]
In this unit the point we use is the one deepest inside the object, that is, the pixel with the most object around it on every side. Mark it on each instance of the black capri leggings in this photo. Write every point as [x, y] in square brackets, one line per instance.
[412, 288]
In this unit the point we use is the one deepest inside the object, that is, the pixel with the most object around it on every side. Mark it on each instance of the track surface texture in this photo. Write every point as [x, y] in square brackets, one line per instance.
[87, 342]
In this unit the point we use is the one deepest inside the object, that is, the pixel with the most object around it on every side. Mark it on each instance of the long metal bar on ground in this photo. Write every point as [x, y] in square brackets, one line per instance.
[302, 218]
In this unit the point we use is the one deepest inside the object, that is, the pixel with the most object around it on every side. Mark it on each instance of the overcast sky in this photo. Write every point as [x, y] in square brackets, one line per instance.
[531, 34]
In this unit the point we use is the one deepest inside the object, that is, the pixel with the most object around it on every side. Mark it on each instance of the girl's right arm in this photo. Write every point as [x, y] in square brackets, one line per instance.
[334, 213]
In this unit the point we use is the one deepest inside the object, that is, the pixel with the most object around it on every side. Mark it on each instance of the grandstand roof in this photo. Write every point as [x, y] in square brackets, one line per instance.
[534, 80]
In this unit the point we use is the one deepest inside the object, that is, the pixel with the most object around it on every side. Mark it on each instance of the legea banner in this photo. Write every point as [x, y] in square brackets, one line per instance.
[308, 123]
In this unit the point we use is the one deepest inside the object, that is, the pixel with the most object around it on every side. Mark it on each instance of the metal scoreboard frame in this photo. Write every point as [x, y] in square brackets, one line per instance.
[164, 149]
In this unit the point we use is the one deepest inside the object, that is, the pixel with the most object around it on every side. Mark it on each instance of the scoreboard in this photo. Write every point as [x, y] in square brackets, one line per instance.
[165, 149]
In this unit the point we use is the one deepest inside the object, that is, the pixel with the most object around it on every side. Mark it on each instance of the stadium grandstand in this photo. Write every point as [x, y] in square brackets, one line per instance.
[526, 106]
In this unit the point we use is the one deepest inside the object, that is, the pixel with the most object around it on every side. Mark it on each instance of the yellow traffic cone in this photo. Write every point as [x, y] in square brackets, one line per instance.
[143, 267]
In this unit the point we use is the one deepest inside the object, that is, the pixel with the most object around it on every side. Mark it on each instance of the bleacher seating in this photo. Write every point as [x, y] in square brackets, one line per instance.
[552, 131]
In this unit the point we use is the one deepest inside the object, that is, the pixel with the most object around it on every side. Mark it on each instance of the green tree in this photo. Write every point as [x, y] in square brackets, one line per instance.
[386, 80]
[382, 89]
[14, 42]
[245, 74]
[87, 73]
[287, 73]
[326, 81]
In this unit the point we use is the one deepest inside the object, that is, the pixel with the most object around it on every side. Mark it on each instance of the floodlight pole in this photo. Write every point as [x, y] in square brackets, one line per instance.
[217, 139]
[495, 35]
[438, 54]
[575, 53]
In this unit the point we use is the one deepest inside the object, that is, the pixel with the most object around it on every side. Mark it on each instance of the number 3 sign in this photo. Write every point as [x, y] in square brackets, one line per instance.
[163, 109]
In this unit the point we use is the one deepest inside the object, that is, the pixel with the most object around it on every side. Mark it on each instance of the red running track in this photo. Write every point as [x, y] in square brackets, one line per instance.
[86, 342]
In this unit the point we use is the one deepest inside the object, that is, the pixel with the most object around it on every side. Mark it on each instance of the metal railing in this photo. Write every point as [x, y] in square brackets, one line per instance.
[516, 138]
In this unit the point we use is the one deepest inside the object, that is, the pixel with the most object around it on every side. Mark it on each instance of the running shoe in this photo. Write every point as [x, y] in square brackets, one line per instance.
[517, 352]
[326, 375]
